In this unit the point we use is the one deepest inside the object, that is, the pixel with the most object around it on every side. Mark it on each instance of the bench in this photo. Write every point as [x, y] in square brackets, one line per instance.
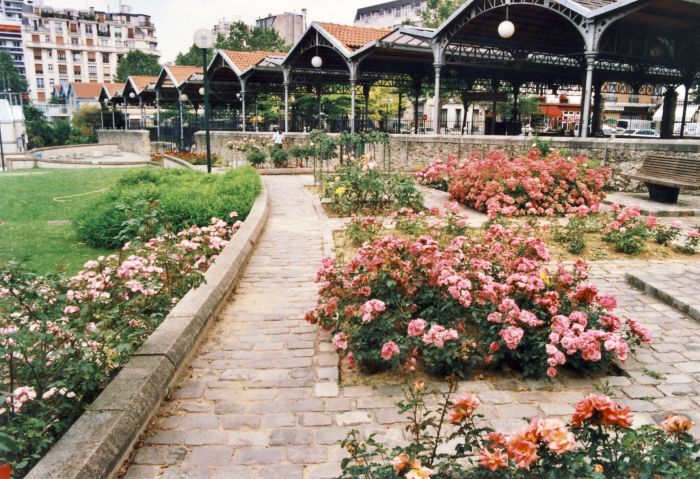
[665, 176]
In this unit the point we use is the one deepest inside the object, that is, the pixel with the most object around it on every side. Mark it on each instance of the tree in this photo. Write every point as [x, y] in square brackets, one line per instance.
[437, 11]
[10, 77]
[193, 56]
[245, 38]
[137, 62]
[86, 121]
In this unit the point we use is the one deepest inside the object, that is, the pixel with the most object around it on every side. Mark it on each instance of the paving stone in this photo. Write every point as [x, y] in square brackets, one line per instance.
[278, 420]
[307, 455]
[642, 392]
[353, 418]
[327, 390]
[260, 455]
[188, 472]
[142, 472]
[291, 436]
[211, 455]
[286, 471]
[160, 455]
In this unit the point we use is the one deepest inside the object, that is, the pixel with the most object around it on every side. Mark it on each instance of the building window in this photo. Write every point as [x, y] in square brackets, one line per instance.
[61, 56]
[62, 70]
[105, 58]
[49, 67]
[76, 56]
[130, 45]
[92, 70]
[117, 33]
[103, 42]
[120, 44]
[47, 38]
[88, 28]
[58, 27]
[40, 83]
[74, 41]
[52, 82]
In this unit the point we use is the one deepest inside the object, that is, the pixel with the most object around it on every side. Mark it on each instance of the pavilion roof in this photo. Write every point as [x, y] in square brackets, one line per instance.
[352, 37]
[243, 61]
[113, 89]
[181, 73]
[88, 90]
[140, 82]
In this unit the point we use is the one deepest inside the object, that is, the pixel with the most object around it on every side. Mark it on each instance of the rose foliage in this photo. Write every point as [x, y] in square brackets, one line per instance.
[64, 338]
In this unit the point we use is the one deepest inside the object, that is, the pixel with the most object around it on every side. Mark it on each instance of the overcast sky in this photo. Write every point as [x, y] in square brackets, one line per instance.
[176, 20]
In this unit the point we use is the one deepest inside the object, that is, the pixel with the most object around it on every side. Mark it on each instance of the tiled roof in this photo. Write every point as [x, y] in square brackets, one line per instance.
[89, 90]
[354, 37]
[182, 73]
[594, 4]
[141, 82]
[114, 88]
[245, 60]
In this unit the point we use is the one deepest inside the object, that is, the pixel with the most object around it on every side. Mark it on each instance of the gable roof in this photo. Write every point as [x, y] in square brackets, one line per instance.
[140, 82]
[85, 91]
[243, 61]
[113, 89]
[352, 37]
[181, 73]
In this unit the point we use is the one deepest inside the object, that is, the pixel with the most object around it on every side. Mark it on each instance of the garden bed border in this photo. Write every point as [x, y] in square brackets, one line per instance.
[98, 442]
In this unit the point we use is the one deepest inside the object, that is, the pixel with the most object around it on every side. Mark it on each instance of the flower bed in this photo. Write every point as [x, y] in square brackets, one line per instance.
[452, 304]
[525, 185]
[358, 185]
[65, 337]
[599, 443]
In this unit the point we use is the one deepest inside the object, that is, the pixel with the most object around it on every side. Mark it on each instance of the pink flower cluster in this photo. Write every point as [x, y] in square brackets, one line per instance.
[488, 296]
[526, 185]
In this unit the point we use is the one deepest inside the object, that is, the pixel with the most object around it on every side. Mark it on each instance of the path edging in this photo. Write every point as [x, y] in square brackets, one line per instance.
[98, 441]
[685, 308]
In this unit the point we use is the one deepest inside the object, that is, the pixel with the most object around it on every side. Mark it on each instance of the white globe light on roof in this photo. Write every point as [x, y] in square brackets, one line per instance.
[132, 95]
[201, 91]
[506, 29]
[317, 61]
[184, 97]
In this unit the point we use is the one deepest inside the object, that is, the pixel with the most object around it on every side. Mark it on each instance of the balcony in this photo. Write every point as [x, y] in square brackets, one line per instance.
[52, 111]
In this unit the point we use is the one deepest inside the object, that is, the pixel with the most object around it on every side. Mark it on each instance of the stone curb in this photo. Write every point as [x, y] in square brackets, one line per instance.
[96, 445]
[661, 213]
[640, 283]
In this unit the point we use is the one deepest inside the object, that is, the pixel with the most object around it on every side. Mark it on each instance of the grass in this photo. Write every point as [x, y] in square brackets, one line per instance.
[31, 199]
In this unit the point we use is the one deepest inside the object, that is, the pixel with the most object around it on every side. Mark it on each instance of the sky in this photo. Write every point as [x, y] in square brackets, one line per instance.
[177, 20]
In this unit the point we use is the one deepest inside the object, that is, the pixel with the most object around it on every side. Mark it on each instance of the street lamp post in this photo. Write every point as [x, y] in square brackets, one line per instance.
[204, 39]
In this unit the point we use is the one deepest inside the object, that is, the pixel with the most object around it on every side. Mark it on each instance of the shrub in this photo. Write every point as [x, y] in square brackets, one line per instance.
[59, 353]
[484, 299]
[526, 185]
[279, 157]
[361, 230]
[691, 242]
[193, 158]
[255, 156]
[599, 442]
[357, 185]
[184, 197]
[627, 230]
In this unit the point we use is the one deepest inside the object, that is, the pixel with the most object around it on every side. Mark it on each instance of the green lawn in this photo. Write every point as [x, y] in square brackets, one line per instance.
[36, 208]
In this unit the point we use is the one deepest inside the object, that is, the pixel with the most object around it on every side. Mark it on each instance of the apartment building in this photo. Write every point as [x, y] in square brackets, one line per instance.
[390, 14]
[290, 26]
[72, 46]
[11, 31]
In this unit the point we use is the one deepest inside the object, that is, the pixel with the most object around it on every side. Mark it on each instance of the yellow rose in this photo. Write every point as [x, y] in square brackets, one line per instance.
[339, 191]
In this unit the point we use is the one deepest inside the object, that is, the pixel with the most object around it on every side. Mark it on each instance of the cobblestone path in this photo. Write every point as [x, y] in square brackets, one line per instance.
[260, 398]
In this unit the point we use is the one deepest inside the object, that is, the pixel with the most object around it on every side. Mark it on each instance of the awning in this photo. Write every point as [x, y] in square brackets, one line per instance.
[690, 113]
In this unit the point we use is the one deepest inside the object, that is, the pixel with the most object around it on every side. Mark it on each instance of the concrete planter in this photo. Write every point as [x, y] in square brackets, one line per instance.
[97, 444]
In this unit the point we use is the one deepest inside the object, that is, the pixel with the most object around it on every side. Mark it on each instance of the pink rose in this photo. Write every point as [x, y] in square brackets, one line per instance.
[512, 336]
[340, 341]
[417, 327]
[389, 350]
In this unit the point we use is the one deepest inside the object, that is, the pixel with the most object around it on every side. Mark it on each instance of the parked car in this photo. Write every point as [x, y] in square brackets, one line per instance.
[645, 133]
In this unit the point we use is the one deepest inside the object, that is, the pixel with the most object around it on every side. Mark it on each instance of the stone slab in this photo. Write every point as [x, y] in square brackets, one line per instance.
[664, 286]
[687, 205]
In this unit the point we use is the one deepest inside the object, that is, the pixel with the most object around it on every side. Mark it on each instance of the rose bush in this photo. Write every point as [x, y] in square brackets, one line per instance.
[599, 443]
[527, 185]
[63, 338]
[454, 304]
[358, 185]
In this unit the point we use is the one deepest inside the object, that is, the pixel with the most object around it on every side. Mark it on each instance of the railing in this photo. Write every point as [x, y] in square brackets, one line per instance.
[53, 110]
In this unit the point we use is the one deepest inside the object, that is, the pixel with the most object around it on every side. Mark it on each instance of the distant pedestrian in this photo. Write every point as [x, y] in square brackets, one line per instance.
[278, 139]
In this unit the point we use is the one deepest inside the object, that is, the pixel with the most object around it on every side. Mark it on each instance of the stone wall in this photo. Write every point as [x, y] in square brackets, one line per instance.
[409, 152]
[134, 141]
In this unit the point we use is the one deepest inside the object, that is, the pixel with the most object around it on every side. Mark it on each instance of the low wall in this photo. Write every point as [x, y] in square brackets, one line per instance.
[134, 141]
[409, 152]
[106, 155]
[172, 162]
[99, 441]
